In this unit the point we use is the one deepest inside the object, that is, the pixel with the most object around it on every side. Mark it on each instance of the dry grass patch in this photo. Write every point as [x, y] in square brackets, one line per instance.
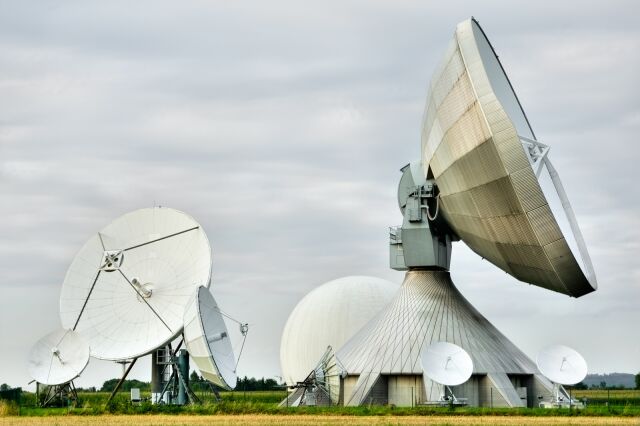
[310, 420]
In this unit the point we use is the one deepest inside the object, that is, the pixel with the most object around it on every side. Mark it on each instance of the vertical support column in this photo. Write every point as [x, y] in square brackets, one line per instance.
[156, 378]
[183, 365]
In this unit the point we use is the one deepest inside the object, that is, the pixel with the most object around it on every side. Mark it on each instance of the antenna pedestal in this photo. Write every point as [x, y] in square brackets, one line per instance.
[424, 239]
[183, 367]
[382, 361]
[57, 395]
[158, 369]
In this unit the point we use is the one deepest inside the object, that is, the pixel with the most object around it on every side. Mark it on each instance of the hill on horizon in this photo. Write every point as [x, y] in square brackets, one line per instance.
[612, 379]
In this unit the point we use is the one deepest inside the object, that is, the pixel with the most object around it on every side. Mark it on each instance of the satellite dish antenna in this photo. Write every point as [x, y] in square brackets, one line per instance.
[328, 373]
[58, 358]
[498, 190]
[486, 180]
[207, 340]
[562, 365]
[126, 290]
[448, 365]
[321, 387]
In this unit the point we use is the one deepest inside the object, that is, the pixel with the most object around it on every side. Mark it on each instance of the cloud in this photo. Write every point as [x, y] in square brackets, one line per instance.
[281, 127]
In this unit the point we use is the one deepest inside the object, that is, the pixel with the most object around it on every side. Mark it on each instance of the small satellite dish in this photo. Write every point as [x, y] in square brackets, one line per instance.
[328, 374]
[562, 365]
[126, 289]
[58, 357]
[207, 340]
[446, 363]
[321, 387]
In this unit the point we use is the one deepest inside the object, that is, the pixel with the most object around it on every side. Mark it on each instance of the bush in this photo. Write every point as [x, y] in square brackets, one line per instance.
[8, 408]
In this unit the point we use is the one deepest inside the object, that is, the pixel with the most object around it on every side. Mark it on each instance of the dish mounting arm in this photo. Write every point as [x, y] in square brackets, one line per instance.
[538, 155]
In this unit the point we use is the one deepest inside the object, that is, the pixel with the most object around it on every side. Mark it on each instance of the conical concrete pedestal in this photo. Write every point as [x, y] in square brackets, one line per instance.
[382, 361]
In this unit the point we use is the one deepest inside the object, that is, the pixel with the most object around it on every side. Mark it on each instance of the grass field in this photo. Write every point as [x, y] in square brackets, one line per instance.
[616, 397]
[256, 419]
[602, 393]
[256, 408]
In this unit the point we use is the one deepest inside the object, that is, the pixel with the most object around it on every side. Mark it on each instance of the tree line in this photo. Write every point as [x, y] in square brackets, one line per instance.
[199, 383]
[196, 382]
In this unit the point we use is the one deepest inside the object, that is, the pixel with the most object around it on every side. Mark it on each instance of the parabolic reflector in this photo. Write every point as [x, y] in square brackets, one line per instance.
[208, 341]
[562, 365]
[126, 290]
[58, 357]
[498, 189]
[446, 363]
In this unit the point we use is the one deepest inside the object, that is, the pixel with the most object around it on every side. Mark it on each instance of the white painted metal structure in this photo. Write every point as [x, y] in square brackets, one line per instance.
[483, 183]
[58, 358]
[328, 374]
[321, 387]
[126, 290]
[446, 363]
[562, 365]
[208, 341]
[328, 316]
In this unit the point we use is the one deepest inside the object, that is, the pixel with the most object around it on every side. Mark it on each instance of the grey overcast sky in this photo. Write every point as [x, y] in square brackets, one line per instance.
[281, 127]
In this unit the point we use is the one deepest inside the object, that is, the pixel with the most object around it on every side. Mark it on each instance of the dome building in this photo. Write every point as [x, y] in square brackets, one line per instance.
[329, 315]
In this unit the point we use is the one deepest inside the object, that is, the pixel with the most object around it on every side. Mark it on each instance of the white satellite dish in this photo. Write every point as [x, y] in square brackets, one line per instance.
[207, 340]
[126, 289]
[446, 363]
[321, 387]
[58, 357]
[562, 365]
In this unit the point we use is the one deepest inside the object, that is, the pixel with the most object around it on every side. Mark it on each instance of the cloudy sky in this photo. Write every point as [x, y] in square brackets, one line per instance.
[281, 127]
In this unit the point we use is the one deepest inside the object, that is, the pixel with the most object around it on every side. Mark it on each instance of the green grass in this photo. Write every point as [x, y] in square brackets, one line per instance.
[603, 397]
[265, 402]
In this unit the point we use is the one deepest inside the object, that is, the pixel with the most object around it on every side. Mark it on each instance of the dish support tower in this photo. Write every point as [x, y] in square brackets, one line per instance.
[382, 361]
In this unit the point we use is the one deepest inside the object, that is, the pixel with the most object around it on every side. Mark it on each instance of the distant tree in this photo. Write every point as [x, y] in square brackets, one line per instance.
[638, 381]
[580, 386]
[110, 385]
[198, 383]
[195, 378]
[603, 385]
[270, 384]
[4, 387]
[253, 384]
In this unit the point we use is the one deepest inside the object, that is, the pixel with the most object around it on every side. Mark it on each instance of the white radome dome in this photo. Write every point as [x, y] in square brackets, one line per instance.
[329, 315]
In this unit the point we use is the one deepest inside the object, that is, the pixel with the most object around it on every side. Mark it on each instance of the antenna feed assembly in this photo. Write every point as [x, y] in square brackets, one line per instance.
[111, 260]
[56, 352]
[144, 290]
[424, 239]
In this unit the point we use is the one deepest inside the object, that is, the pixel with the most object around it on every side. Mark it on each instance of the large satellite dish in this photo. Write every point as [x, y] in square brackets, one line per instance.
[207, 339]
[562, 365]
[58, 357]
[126, 290]
[446, 363]
[497, 188]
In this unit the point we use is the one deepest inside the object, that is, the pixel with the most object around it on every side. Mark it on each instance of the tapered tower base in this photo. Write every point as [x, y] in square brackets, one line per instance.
[382, 361]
